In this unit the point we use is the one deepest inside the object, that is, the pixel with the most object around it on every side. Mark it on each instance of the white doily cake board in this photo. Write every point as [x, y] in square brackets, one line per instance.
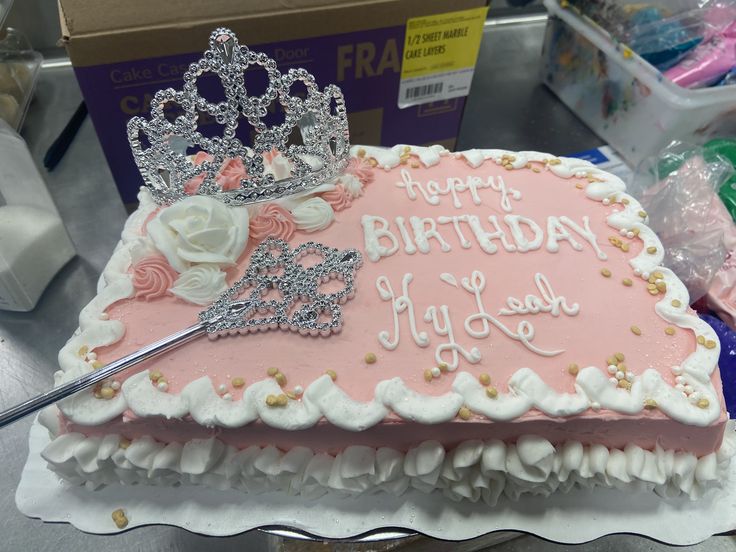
[576, 517]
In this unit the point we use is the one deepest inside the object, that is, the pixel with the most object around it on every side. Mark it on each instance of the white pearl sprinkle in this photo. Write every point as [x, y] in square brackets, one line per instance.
[612, 369]
[629, 234]
[689, 389]
[677, 370]
[104, 316]
[695, 396]
[222, 388]
[606, 201]
[645, 275]
[680, 379]
[637, 271]
[620, 375]
[613, 380]
[227, 397]
[298, 390]
[162, 386]
[623, 231]
[680, 387]
[629, 377]
[115, 385]
[92, 355]
[436, 372]
[106, 384]
[595, 405]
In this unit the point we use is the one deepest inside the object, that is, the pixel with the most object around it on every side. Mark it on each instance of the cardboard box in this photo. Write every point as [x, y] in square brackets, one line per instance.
[123, 52]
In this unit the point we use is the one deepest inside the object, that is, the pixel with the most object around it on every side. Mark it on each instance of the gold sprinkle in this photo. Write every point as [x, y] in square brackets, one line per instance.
[428, 375]
[605, 272]
[649, 404]
[611, 361]
[554, 161]
[291, 395]
[155, 376]
[118, 516]
[124, 443]
[627, 282]
[97, 365]
[107, 393]
[703, 403]
[661, 286]
[238, 382]
[272, 371]
[508, 166]
[443, 367]
[406, 149]
[536, 169]
[652, 287]
[651, 279]
[628, 53]
[701, 340]
[361, 152]
[710, 344]
[484, 379]
[623, 384]
[651, 250]
[271, 400]
[491, 392]
[635, 231]
[83, 350]
[332, 374]
[282, 400]
[573, 369]
[579, 186]
[370, 358]
[625, 201]
[280, 379]
[625, 247]
[372, 162]
[635, 330]
[414, 164]
[615, 241]
[464, 413]
[643, 214]
[676, 303]
[653, 292]
[621, 366]
[658, 275]
[403, 160]
[669, 330]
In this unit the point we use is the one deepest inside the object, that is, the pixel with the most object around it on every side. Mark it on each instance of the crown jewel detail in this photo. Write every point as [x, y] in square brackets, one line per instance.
[321, 118]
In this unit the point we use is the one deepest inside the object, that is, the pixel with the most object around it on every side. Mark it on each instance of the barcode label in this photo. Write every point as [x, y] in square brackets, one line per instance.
[424, 90]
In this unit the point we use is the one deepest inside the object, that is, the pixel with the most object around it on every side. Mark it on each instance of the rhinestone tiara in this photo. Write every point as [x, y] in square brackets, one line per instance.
[163, 149]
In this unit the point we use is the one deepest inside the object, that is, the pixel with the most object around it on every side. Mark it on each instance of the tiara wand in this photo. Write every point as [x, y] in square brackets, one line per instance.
[319, 314]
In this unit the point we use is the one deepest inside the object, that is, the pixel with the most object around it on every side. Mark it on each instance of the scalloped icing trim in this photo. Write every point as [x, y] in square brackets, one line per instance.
[322, 398]
[474, 470]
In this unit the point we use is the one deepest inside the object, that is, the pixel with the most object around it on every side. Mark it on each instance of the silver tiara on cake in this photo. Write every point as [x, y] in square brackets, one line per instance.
[162, 148]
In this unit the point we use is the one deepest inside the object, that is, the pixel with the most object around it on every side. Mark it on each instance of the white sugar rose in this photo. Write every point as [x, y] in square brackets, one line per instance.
[313, 214]
[200, 229]
[352, 185]
[200, 284]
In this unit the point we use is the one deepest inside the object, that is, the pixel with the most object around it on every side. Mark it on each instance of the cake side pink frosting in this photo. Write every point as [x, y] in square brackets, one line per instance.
[367, 315]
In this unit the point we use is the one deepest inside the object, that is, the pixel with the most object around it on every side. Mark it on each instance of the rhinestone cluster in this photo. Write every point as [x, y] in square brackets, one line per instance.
[275, 267]
[159, 145]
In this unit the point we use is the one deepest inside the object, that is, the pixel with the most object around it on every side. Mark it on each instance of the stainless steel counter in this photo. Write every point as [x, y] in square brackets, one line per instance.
[507, 108]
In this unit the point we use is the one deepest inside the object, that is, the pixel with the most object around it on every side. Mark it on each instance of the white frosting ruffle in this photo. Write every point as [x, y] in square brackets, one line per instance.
[474, 470]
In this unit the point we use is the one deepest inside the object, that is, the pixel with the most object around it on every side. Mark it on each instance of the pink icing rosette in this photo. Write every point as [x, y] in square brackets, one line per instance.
[152, 277]
[360, 169]
[228, 177]
[338, 198]
[274, 221]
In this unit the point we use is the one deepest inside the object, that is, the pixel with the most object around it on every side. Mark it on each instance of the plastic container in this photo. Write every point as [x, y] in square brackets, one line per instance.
[621, 97]
[19, 69]
[34, 244]
[5, 6]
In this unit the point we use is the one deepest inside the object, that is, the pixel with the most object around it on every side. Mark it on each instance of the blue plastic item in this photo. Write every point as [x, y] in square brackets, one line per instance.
[727, 360]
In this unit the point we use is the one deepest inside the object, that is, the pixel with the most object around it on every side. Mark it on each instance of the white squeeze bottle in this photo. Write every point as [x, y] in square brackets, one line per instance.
[34, 244]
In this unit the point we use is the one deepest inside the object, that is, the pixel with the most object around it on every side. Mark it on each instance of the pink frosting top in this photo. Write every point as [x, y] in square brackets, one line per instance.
[338, 198]
[152, 277]
[274, 221]
[360, 169]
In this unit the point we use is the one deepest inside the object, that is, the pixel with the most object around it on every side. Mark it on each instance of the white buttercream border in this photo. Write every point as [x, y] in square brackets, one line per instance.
[474, 470]
[323, 398]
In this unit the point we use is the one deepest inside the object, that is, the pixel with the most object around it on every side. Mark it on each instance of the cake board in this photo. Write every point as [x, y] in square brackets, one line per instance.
[576, 517]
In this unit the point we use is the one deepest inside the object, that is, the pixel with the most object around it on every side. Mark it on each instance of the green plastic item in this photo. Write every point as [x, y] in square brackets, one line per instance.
[726, 149]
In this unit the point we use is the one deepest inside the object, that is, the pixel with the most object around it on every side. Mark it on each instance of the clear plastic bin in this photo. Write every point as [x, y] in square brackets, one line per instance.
[19, 69]
[5, 6]
[621, 97]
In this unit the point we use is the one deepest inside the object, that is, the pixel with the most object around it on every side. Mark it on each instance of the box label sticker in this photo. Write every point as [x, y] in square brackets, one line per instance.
[439, 57]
